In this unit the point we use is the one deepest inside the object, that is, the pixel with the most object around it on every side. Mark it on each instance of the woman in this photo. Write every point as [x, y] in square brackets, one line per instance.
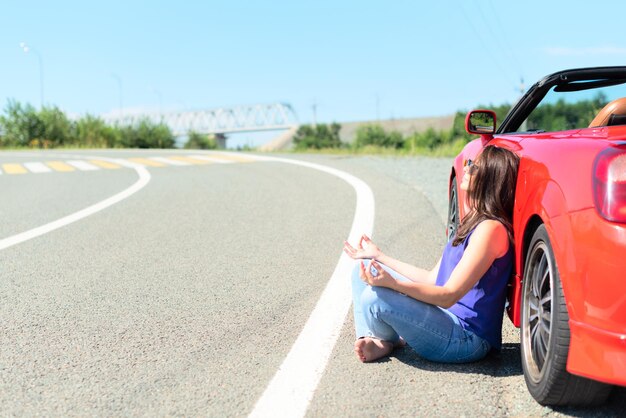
[452, 313]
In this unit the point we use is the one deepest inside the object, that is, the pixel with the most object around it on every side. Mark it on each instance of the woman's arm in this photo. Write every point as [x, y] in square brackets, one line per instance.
[489, 241]
[371, 251]
[409, 271]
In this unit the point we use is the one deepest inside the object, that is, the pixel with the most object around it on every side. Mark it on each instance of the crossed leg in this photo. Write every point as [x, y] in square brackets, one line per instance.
[370, 349]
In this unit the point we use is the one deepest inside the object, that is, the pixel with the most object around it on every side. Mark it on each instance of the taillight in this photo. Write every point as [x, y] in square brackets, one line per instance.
[609, 184]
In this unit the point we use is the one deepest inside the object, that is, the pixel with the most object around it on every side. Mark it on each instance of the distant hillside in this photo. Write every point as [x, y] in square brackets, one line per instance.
[406, 126]
[347, 134]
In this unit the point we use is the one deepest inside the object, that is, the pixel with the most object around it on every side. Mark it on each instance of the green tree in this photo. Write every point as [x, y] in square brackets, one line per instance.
[317, 137]
[429, 139]
[57, 128]
[562, 116]
[91, 131]
[21, 125]
[376, 135]
[147, 134]
[200, 141]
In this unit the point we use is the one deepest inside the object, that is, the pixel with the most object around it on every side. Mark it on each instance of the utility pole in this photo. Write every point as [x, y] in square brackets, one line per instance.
[314, 107]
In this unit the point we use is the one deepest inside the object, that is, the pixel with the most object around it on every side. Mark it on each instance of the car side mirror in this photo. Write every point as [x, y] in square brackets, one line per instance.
[481, 122]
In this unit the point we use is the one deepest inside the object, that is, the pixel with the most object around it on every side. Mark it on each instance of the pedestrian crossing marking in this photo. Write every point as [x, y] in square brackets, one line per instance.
[167, 161]
[105, 164]
[60, 166]
[211, 159]
[83, 165]
[112, 164]
[37, 167]
[189, 159]
[147, 162]
[232, 157]
[14, 169]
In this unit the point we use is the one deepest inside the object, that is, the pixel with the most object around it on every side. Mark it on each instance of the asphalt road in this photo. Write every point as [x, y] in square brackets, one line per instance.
[185, 297]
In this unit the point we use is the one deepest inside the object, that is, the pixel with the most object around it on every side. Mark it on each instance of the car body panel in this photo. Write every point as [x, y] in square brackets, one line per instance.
[555, 188]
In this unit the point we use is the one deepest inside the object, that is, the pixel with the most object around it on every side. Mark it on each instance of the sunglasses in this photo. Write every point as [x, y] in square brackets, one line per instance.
[471, 166]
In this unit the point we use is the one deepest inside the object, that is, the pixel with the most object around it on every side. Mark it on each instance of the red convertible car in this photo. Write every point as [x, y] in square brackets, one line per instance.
[568, 293]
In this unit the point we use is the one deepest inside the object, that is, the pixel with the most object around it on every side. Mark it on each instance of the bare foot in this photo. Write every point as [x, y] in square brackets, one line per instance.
[370, 349]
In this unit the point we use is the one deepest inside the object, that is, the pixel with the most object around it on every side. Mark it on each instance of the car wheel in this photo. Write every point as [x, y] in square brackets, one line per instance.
[545, 333]
[453, 210]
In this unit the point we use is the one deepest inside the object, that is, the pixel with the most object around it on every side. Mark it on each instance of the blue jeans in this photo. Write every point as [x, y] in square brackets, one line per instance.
[433, 332]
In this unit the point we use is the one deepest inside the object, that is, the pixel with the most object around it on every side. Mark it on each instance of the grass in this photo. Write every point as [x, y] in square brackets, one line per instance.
[444, 150]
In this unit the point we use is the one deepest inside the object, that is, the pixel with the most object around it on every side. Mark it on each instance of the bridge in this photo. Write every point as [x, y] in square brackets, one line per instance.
[220, 121]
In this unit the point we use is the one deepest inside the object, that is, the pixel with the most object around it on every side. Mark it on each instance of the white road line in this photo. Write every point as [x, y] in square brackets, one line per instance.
[292, 387]
[144, 178]
[83, 165]
[37, 167]
[212, 159]
[167, 161]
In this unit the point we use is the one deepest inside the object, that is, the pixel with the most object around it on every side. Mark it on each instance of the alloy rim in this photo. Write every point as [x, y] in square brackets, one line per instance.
[538, 308]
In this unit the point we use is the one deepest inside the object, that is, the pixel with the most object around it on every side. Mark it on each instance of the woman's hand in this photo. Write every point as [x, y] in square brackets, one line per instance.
[376, 275]
[370, 250]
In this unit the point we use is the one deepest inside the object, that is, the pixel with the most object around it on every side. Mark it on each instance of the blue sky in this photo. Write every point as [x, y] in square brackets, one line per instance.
[355, 60]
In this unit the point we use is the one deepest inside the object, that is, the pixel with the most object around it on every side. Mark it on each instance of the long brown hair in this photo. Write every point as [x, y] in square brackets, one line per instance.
[491, 191]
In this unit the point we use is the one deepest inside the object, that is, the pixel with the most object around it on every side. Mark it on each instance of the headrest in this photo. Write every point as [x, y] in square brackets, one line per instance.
[617, 120]
[610, 114]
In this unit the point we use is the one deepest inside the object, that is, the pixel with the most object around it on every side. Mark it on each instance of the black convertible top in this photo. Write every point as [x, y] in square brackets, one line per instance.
[567, 80]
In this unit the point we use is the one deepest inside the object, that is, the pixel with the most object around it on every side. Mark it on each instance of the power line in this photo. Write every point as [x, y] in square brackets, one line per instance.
[497, 38]
[505, 40]
[486, 46]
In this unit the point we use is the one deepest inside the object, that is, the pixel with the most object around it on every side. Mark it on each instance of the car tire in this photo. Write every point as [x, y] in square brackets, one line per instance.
[545, 333]
[453, 210]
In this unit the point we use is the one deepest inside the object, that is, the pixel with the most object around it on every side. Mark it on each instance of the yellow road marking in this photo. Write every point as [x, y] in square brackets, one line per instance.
[145, 161]
[230, 157]
[104, 164]
[60, 166]
[14, 169]
[189, 160]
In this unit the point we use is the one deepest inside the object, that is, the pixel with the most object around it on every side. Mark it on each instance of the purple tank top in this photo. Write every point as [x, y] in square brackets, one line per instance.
[482, 308]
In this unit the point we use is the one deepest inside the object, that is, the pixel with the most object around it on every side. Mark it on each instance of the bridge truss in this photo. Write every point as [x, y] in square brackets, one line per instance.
[259, 117]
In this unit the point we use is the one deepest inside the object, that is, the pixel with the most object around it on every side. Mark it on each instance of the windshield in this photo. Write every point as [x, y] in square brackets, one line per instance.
[564, 110]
